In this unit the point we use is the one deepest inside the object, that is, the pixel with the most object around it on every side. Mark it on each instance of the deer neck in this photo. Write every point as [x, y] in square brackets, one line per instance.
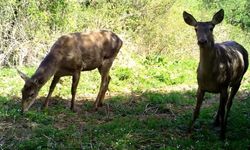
[207, 57]
[46, 70]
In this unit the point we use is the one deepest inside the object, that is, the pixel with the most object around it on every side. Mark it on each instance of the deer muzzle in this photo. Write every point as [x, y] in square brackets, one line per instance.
[202, 42]
[26, 104]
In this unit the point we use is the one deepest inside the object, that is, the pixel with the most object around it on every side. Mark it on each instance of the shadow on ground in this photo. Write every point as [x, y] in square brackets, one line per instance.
[149, 120]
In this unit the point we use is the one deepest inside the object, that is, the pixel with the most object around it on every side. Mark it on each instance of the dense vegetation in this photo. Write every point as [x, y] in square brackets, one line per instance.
[152, 91]
[29, 28]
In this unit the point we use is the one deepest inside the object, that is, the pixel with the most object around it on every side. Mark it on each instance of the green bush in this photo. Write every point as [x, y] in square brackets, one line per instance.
[148, 27]
[237, 12]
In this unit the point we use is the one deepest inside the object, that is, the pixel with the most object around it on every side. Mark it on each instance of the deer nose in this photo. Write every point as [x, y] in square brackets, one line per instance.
[202, 41]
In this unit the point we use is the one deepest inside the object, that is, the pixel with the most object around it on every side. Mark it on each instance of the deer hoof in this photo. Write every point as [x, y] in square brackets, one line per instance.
[72, 109]
[216, 123]
[99, 104]
[222, 136]
[45, 106]
[190, 128]
[189, 131]
[96, 105]
[95, 109]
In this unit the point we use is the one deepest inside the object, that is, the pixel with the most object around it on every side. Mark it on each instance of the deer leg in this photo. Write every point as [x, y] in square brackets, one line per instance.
[234, 90]
[223, 101]
[200, 96]
[104, 90]
[217, 121]
[51, 89]
[105, 79]
[75, 81]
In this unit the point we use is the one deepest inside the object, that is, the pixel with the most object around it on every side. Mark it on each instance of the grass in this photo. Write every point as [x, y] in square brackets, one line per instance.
[152, 91]
[151, 115]
[126, 122]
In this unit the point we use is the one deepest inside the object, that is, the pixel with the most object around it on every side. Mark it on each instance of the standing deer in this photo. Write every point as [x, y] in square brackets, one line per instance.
[221, 68]
[70, 55]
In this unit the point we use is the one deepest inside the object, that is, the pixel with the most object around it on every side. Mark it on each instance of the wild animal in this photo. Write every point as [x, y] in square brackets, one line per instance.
[220, 70]
[70, 55]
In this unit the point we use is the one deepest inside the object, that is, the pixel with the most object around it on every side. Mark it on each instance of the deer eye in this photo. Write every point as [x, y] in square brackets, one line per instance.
[32, 94]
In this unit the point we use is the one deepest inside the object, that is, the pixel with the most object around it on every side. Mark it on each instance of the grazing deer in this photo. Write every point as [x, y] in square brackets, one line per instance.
[221, 68]
[70, 55]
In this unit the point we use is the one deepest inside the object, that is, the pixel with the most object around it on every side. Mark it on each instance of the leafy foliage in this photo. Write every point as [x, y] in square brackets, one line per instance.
[238, 16]
[30, 28]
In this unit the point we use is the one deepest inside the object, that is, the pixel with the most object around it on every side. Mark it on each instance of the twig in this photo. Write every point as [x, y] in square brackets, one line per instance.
[150, 108]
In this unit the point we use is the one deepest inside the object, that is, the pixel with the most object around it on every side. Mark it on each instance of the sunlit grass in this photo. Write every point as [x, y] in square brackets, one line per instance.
[149, 108]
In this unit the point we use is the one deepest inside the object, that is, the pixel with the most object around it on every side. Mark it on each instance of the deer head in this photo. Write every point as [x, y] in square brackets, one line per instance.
[204, 30]
[29, 91]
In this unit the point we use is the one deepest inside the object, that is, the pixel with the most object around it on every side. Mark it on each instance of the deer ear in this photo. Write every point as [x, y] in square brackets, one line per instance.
[189, 19]
[22, 75]
[218, 17]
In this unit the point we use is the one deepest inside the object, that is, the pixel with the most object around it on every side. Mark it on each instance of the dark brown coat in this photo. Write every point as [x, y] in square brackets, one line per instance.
[70, 55]
[221, 67]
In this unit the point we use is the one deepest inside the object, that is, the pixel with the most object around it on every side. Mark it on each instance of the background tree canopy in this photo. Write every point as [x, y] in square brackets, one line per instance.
[29, 27]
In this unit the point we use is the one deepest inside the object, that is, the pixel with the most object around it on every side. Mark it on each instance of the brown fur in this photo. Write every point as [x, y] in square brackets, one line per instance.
[221, 68]
[70, 55]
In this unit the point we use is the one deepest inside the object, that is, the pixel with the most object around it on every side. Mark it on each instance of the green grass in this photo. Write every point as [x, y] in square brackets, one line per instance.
[151, 115]
[127, 122]
[153, 86]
